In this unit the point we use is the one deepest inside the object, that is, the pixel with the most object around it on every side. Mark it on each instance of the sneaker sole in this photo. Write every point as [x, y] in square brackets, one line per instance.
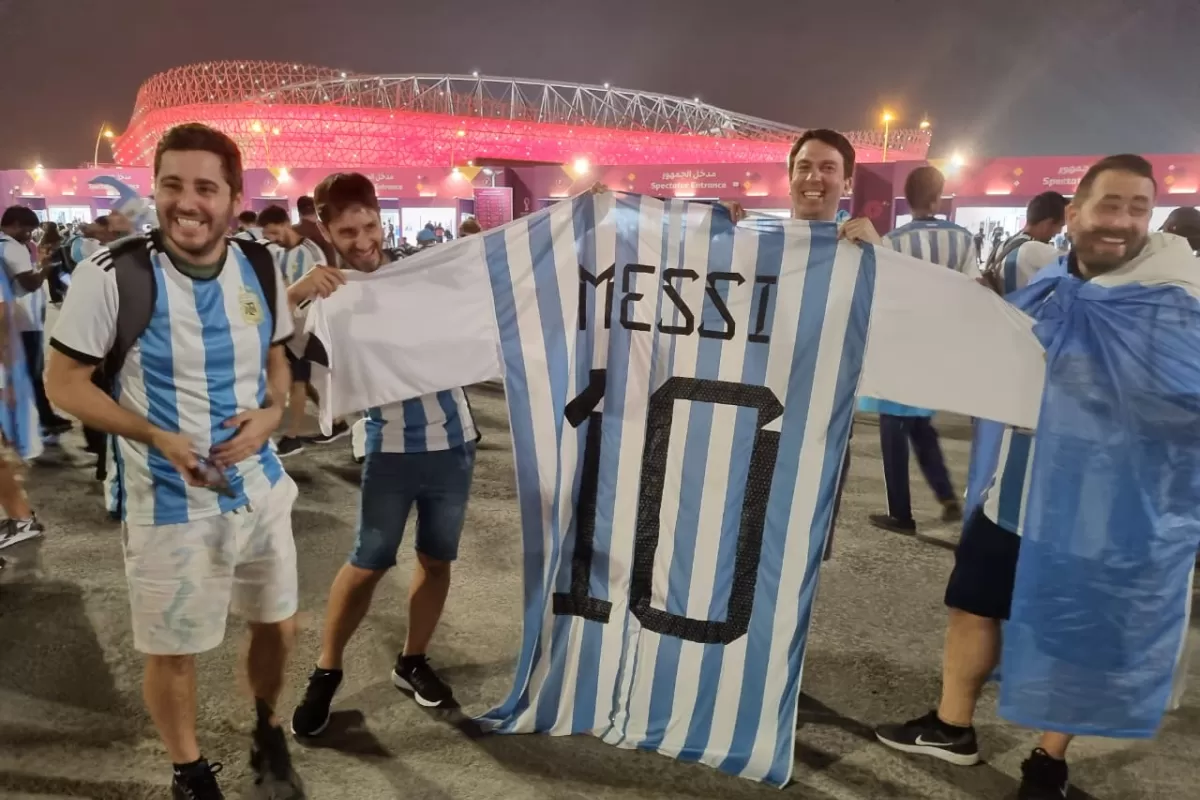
[291, 453]
[332, 439]
[405, 686]
[312, 734]
[958, 759]
[20, 537]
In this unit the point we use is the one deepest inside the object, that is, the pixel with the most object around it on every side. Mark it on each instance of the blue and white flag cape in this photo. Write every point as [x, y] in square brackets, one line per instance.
[680, 393]
[1112, 523]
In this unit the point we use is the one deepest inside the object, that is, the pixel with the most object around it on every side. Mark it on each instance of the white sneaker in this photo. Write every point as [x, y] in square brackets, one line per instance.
[13, 531]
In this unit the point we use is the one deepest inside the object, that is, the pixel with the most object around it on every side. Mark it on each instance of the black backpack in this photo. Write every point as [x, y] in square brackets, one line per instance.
[993, 271]
[129, 260]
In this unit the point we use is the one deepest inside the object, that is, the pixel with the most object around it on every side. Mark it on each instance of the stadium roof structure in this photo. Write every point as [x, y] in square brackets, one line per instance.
[293, 115]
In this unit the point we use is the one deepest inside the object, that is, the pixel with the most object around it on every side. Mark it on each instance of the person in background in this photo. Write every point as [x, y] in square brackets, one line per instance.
[18, 435]
[299, 256]
[391, 235]
[310, 228]
[979, 239]
[469, 226]
[1185, 222]
[247, 227]
[29, 308]
[940, 242]
[1011, 265]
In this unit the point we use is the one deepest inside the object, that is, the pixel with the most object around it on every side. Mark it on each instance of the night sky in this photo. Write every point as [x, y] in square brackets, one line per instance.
[997, 77]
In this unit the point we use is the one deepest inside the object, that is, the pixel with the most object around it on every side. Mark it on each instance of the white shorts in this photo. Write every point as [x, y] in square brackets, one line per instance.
[184, 579]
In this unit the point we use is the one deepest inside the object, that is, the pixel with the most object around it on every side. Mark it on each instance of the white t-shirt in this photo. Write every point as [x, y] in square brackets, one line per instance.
[201, 361]
[30, 307]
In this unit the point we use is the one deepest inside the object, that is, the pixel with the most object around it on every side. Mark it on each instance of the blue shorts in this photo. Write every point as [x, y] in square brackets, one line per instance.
[438, 482]
[985, 569]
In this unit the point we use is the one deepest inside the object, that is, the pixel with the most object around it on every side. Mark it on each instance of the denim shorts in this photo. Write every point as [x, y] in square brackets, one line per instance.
[437, 482]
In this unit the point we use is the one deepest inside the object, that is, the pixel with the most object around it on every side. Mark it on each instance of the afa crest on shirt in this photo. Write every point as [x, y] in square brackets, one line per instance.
[251, 306]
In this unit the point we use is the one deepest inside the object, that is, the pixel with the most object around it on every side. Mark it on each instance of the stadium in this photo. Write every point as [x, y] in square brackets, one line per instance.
[297, 116]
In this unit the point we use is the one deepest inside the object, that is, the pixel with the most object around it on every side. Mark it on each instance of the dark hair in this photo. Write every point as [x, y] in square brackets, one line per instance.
[1124, 162]
[341, 190]
[248, 217]
[469, 226]
[52, 237]
[101, 220]
[194, 136]
[19, 215]
[274, 215]
[1184, 221]
[1046, 206]
[923, 187]
[831, 138]
[306, 206]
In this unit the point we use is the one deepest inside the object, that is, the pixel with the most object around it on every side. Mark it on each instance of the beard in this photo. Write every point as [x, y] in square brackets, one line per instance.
[196, 241]
[361, 261]
[1103, 250]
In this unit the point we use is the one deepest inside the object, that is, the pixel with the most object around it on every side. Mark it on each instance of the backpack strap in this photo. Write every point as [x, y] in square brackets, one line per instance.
[133, 269]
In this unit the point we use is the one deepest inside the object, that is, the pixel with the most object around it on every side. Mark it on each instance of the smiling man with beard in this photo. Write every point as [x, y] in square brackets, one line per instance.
[420, 454]
[207, 505]
[1108, 221]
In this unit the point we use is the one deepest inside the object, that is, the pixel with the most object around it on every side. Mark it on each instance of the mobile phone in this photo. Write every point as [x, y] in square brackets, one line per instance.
[213, 478]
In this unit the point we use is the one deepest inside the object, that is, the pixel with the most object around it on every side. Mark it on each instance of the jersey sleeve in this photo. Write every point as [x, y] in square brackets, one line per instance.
[940, 340]
[282, 313]
[87, 324]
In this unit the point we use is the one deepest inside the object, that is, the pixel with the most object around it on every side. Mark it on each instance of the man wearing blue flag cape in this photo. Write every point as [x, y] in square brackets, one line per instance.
[1084, 543]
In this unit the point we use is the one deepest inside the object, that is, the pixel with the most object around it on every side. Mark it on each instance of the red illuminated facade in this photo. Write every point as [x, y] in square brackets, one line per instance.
[295, 116]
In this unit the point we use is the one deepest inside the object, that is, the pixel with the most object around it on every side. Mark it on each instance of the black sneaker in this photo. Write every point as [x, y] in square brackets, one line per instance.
[413, 674]
[952, 511]
[57, 426]
[927, 736]
[1043, 777]
[890, 523]
[289, 446]
[274, 776]
[311, 717]
[198, 782]
[13, 531]
[340, 429]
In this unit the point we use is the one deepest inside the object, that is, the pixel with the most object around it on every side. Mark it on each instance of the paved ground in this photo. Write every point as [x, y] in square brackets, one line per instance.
[72, 723]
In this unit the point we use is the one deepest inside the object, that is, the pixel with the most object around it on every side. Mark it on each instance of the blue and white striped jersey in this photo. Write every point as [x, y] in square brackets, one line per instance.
[939, 241]
[297, 261]
[440, 421]
[201, 361]
[1003, 500]
[29, 308]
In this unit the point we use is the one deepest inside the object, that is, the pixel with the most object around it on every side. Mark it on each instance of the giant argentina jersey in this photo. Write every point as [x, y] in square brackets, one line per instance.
[201, 361]
[691, 413]
[940, 242]
[680, 394]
